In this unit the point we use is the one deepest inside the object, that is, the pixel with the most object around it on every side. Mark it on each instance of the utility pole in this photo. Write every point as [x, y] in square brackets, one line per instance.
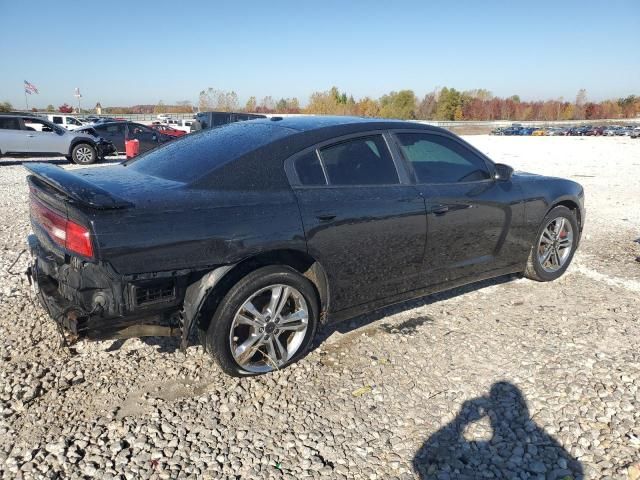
[78, 95]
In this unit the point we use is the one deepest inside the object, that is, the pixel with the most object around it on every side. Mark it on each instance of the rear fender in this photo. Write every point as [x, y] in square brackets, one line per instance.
[194, 299]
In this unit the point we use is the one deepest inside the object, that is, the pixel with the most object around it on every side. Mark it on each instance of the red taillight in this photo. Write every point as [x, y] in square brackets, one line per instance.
[66, 233]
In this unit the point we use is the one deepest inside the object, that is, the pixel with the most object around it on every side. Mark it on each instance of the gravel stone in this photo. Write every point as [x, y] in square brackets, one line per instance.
[505, 378]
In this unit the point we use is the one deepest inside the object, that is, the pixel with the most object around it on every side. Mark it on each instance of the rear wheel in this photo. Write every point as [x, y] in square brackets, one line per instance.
[84, 154]
[555, 245]
[264, 323]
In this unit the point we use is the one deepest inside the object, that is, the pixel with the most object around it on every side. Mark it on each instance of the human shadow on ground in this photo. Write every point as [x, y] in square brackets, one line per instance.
[518, 448]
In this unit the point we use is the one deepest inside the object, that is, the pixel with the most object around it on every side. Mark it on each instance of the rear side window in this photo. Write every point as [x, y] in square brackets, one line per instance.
[309, 169]
[438, 159]
[191, 157]
[361, 161]
[9, 124]
[114, 128]
[57, 120]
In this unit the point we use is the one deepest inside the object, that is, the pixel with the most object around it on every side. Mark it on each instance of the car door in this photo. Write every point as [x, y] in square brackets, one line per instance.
[147, 137]
[44, 137]
[13, 136]
[473, 219]
[362, 221]
[113, 132]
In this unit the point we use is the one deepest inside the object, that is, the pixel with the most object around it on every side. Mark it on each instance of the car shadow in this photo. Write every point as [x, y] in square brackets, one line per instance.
[172, 344]
[363, 320]
[13, 161]
[517, 447]
[16, 161]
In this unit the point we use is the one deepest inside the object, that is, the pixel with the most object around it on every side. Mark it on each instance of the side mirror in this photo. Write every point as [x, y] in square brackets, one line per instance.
[154, 137]
[503, 172]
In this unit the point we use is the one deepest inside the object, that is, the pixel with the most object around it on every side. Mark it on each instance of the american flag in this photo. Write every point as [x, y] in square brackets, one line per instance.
[30, 88]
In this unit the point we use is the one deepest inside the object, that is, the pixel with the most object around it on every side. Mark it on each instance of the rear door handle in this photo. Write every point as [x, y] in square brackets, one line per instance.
[30, 136]
[440, 210]
[325, 217]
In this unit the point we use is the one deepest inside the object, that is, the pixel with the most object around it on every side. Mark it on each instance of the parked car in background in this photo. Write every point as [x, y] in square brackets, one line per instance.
[539, 132]
[611, 130]
[594, 131]
[215, 119]
[118, 132]
[67, 121]
[28, 135]
[184, 124]
[513, 130]
[167, 130]
[256, 233]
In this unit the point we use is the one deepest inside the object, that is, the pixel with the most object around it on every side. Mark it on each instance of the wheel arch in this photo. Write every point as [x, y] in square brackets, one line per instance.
[77, 141]
[571, 205]
[204, 296]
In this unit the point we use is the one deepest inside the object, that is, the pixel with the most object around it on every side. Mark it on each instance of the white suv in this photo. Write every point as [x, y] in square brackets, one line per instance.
[28, 135]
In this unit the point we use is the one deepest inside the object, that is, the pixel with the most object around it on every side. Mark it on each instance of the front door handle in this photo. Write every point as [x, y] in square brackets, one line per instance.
[440, 210]
[30, 136]
[325, 217]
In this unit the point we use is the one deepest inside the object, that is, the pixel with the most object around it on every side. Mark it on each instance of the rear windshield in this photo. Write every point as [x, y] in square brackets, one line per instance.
[193, 156]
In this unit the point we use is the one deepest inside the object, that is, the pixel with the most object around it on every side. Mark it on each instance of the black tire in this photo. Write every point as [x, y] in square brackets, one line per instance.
[217, 335]
[534, 269]
[84, 154]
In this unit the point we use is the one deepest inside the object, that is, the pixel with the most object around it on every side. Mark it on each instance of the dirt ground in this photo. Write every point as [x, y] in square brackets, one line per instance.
[503, 379]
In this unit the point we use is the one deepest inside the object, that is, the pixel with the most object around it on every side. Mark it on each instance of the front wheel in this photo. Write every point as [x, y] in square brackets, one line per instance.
[555, 245]
[264, 323]
[84, 154]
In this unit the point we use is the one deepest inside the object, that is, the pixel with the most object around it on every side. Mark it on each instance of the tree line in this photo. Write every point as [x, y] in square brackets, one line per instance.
[440, 104]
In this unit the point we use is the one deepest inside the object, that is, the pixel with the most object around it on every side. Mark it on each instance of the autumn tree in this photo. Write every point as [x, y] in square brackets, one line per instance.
[581, 100]
[367, 107]
[251, 105]
[159, 108]
[400, 104]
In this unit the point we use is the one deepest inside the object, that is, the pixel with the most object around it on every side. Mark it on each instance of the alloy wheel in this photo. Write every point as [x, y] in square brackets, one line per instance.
[269, 328]
[84, 155]
[555, 244]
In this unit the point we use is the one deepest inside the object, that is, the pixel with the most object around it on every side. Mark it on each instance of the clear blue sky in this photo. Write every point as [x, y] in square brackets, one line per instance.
[126, 52]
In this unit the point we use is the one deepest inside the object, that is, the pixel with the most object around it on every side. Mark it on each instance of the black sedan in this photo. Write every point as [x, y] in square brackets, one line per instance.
[118, 132]
[255, 233]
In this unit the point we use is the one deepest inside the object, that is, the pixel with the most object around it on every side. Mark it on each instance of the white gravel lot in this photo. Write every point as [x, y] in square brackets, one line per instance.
[504, 379]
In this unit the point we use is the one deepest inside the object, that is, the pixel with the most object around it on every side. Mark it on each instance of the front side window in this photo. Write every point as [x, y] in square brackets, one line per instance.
[73, 121]
[37, 125]
[361, 161]
[438, 159]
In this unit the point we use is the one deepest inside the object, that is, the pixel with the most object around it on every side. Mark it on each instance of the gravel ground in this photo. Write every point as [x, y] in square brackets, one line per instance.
[502, 379]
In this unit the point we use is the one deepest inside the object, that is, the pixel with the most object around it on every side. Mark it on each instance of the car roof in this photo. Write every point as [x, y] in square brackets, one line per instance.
[306, 123]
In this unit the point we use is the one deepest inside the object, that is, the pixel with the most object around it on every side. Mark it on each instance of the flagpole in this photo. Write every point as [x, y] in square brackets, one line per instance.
[26, 101]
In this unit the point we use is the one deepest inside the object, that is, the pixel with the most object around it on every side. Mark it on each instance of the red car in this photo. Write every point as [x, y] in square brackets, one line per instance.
[167, 130]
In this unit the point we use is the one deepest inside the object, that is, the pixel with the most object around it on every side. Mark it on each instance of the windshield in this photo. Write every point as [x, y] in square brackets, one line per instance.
[192, 156]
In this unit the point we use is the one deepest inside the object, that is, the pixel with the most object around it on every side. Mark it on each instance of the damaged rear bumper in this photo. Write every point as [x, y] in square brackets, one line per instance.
[92, 301]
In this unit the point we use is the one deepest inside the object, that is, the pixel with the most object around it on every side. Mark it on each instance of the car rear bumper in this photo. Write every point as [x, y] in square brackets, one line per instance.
[89, 300]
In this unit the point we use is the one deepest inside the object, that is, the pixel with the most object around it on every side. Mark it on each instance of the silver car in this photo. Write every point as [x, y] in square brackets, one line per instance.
[30, 135]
